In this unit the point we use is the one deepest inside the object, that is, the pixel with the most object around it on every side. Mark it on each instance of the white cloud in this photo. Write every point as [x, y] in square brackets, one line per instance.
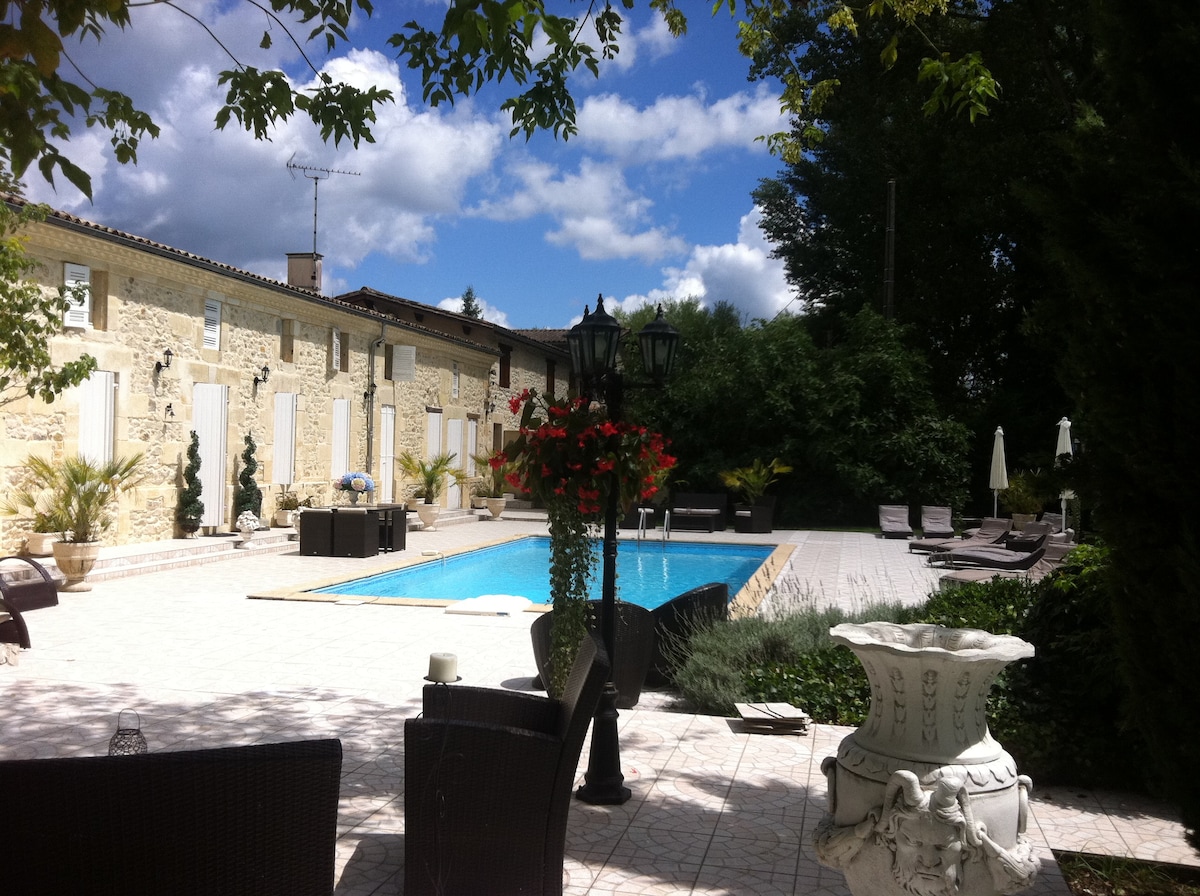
[677, 127]
[594, 209]
[743, 274]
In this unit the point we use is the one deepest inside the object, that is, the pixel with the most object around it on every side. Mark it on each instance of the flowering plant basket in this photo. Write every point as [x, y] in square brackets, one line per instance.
[569, 457]
[354, 482]
[569, 454]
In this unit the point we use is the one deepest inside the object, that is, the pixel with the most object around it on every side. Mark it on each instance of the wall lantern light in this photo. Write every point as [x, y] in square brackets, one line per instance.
[165, 363]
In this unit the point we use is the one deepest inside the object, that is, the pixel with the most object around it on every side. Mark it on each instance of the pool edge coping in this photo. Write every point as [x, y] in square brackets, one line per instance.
[744, 603]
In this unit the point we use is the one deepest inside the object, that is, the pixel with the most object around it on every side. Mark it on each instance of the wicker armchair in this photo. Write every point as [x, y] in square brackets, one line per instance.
[240, 821]
[487, 784]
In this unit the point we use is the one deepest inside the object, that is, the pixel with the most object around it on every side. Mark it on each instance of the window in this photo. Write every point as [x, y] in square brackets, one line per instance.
[400, 363]
[212, 323]
[455, 381]
[549, 376]
[77, 283]
[505, 366]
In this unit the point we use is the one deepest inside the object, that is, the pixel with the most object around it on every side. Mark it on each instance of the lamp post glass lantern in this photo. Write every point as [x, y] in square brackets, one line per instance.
[594, 344]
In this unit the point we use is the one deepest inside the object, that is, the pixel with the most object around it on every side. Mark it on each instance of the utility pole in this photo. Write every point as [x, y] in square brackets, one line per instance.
[889, 253]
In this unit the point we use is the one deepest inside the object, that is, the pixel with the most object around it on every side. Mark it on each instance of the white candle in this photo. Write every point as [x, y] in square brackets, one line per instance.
[443, 667]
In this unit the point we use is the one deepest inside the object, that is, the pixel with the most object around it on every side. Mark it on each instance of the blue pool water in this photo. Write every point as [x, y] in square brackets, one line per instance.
[649, 576]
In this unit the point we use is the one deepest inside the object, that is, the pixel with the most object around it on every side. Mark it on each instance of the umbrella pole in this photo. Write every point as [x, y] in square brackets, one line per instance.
[995, 502]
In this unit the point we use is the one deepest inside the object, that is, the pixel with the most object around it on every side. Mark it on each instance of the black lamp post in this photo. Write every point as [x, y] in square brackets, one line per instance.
[594, 344]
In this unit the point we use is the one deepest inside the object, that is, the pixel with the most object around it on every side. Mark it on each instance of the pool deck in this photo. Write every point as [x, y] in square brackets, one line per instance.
[714, 810]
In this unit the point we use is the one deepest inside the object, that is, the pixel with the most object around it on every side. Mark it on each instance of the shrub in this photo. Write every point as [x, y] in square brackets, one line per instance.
[790, 659]
[1061, 718]
[999, 606]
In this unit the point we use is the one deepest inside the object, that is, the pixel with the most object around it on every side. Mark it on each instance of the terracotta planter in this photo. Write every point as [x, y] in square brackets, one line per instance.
[428, 515]
[922, 799]
[40, 544]
[75, 560]
[495, 506]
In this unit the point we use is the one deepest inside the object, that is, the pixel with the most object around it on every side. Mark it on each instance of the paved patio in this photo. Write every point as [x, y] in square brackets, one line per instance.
[714, 810]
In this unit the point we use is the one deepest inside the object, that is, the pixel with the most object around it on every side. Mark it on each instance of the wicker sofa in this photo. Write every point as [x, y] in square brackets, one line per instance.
[699, 511]
[240, 821]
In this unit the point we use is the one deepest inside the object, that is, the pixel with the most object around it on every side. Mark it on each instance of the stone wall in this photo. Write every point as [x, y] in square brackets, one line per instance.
[149, 298]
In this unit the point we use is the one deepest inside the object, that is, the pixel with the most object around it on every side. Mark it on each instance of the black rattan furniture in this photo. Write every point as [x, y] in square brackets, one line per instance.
[238, 821]
[355, 532]
[633, 654]
[676, 621]
[316, 532]
[487, 784]
[22, 590]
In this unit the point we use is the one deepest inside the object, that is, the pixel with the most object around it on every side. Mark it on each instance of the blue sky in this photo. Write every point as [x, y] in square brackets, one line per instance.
[650, 201]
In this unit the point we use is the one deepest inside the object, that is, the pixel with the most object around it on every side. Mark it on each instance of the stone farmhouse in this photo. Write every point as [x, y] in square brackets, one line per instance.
[323, 385]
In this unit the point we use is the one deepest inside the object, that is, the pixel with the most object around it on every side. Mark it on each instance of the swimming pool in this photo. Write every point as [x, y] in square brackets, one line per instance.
[649, 574]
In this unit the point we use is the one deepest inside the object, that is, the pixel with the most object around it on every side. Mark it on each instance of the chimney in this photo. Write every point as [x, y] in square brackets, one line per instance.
[304, 270]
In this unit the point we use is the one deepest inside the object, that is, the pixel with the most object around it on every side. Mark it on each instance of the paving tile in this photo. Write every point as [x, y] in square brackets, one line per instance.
[714, 810]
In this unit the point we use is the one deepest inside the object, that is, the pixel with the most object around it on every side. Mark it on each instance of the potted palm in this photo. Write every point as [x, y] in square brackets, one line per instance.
[1025, 497]
[494, 467]
[430, 475]
[81, 500]
[751, 483]
[29, 499]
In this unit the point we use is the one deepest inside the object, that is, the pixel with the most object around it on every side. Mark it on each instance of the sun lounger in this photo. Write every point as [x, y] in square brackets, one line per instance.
[936, 521]
[993, 557]
[893, 521]
[992, 531]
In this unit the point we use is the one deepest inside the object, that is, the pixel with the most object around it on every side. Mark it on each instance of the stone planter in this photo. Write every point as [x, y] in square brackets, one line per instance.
[1020, 519]
[428, 515]
[285, 519]
[922, 799]
[495, 506]
[75, 560]
[40, 544]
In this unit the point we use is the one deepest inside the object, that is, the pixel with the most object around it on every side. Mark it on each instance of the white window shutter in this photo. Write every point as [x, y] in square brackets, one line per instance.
[404, 363]
[96, 416]
[283, 467]
[340, 443]
[212, 323]
[80, 312]
[335, 360]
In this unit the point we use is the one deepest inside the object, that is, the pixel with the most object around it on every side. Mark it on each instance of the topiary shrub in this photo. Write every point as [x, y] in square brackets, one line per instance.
[248, 496]
[190, 508]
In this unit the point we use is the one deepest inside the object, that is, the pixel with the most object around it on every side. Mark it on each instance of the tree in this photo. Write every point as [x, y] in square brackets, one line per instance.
[470, 304]
[29, 317]
[190, 509]
[476, 43]
[1122, 222]
[968, 267]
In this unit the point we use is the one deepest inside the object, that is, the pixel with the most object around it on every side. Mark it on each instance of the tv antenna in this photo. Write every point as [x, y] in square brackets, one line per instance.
[316, 175]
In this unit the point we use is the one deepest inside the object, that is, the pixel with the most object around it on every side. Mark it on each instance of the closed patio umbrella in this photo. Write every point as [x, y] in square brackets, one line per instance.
[999, 476]
[1064, 447]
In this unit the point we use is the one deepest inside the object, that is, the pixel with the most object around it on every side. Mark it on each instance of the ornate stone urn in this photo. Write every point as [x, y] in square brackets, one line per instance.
[922, 799]
[428, 515]
[495, 506]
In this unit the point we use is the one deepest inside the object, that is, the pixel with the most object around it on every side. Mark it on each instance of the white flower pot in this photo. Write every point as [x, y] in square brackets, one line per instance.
[495, 506]
[428, 515]
[40, 544]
